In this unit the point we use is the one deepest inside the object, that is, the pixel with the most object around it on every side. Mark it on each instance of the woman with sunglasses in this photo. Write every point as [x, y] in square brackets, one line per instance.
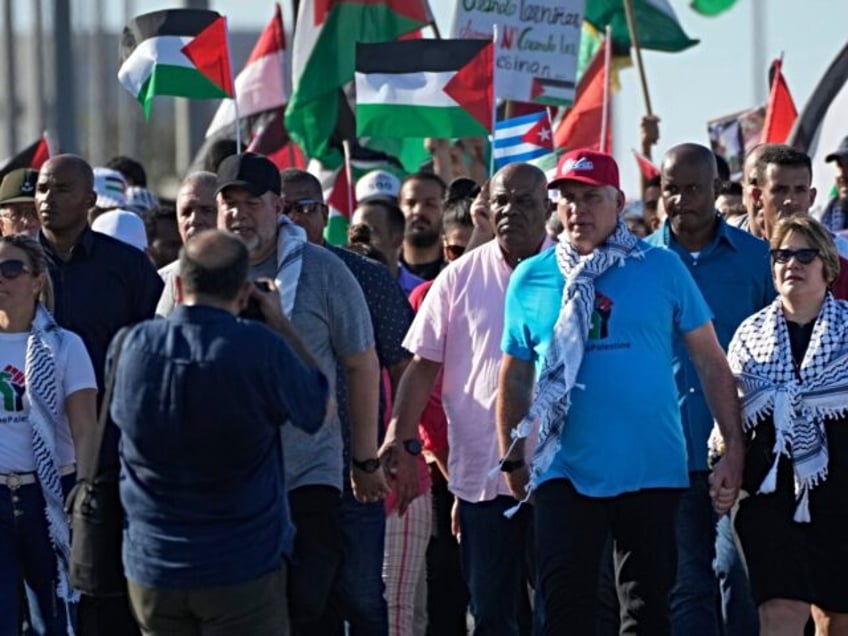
[47, 412]
[791, 364]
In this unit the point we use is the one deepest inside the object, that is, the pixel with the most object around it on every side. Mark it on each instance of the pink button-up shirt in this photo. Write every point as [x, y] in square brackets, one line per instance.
[460, 324]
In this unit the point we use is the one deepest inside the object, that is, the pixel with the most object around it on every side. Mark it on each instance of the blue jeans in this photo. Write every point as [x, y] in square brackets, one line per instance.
[694, 597]
[739, 613]
[27, 553]
[360, 588]
[494, 552]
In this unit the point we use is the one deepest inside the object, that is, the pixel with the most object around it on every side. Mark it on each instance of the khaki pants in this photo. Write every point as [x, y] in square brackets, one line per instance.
[255, 608]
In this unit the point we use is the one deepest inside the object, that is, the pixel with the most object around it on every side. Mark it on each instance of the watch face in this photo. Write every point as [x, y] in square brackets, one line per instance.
[412, 446]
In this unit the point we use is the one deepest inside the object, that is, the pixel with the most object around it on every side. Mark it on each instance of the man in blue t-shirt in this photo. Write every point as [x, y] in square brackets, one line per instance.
[597, 317]
[200, 398]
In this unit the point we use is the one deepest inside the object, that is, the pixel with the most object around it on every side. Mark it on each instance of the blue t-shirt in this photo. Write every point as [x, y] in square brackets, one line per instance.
[199, 399]
[733, 272]
[623, 431]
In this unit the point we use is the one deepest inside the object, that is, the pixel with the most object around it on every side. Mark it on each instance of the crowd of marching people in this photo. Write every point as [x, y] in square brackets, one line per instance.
[503, 408]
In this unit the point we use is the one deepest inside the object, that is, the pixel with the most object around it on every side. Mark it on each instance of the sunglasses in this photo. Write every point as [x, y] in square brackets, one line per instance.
[11, 269]
[302, 206]
[805, 255]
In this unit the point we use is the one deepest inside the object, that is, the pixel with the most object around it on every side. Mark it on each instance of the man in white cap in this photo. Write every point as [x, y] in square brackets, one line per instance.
[123, 225]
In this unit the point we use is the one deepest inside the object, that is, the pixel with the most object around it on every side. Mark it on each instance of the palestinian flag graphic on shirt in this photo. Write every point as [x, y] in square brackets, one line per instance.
[180, 52]
[424, 88]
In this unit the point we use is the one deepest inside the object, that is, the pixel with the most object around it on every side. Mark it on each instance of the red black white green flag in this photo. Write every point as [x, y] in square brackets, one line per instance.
[178, 52]
[424, 88]
[33, 156]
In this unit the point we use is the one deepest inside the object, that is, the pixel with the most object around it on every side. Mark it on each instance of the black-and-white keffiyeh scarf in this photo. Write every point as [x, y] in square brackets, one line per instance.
[565, 353]
[760, 357]
[43, 342]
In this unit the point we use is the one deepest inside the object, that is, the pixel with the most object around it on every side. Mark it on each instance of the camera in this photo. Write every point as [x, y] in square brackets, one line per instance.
[252, 311]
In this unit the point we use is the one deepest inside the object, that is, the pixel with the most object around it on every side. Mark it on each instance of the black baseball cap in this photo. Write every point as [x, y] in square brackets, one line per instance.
[19, 186]
[839, 153]
[255, 173]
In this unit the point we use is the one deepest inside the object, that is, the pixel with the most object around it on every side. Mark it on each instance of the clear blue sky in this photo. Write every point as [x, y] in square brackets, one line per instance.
[714, 78]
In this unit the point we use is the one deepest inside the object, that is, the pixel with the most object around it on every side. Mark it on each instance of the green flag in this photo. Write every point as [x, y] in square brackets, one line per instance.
[712, 7]
[656, 23]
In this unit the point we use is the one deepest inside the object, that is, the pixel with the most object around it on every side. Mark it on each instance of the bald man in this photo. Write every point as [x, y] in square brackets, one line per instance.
[731, 269]
[100, 285]
[458, 330]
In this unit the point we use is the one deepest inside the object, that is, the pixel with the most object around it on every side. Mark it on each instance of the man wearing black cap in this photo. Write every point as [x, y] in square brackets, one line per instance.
[17, 203]
[835, 216]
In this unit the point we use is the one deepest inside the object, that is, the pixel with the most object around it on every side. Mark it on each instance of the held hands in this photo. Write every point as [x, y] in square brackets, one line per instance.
[402, 471]
[368, 487]
[725, 480]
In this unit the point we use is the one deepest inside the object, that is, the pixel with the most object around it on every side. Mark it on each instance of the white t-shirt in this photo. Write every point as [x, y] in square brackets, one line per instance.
[75, 372]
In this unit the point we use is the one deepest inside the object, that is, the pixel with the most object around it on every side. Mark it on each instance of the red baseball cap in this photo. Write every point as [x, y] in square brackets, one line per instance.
[586, 166]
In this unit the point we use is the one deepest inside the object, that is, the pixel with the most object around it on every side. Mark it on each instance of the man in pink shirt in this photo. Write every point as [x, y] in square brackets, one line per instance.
[458, 329]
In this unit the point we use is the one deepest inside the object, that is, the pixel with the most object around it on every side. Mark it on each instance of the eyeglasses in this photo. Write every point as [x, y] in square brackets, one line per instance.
[804, 255]
[11, 269]
[454, 251]
[302, 206]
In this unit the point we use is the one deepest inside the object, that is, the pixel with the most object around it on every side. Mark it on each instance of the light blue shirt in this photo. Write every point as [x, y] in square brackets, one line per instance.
[733, 273]
[623, 431]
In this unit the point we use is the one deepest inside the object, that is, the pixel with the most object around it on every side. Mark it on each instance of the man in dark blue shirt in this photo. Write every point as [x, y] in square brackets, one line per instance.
[99, 285]
[200, 398]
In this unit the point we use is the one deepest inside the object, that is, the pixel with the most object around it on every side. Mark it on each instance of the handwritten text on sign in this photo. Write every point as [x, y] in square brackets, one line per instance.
[537, 47]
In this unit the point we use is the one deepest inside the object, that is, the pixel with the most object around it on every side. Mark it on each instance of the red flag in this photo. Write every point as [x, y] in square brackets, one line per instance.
[271, 139]
[33, 156]
[780, 112]
[648, 169]
[581, 125]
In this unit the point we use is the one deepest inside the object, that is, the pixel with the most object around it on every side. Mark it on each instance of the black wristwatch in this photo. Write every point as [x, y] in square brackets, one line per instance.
[412, 446]
[511, 465]
[367, 466]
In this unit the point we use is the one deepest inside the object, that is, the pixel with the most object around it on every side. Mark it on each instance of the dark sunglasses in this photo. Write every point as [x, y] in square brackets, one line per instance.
[302, 206]
[804, 255]
[454, 251]
[13, 268]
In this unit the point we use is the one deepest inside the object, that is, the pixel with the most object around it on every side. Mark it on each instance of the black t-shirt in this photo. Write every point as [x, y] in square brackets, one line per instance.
[427, 271]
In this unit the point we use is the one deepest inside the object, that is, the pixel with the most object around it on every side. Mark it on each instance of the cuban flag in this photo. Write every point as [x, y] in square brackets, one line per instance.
[522, 138]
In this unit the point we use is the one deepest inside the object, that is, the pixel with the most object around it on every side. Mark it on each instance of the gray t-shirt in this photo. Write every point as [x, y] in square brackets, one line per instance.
[332, 319]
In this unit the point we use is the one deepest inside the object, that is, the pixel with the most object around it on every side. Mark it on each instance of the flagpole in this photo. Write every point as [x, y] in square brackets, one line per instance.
[605, 109]
[494, 103]
[634, 42]
[233, 83]
[349, 174]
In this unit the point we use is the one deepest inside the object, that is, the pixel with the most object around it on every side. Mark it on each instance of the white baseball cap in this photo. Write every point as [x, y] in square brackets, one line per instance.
[123, 225]
[377, 184]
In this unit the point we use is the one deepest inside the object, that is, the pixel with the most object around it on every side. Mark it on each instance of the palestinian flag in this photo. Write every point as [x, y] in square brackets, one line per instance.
[711, 7]
[325, 37]
[264, 82]
[424, 88]
[656, 24]
[179, 52]
[33, 156]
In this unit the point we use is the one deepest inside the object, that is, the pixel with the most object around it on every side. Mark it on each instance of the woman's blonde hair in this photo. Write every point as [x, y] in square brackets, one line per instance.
[37, 263]
[816, 234]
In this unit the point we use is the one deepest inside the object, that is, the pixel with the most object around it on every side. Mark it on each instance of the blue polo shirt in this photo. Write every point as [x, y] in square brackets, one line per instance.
[733, 273]
[103, 286]
[623, 431]
[199, 399]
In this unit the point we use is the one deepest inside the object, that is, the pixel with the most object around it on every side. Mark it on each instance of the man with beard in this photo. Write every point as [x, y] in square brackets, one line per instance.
[458, 330]
[421, 200]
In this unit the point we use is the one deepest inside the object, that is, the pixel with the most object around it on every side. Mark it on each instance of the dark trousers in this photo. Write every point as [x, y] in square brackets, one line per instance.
[447, 594]
[106, 617]
[316, 559]
[494, 552]
[570, 533]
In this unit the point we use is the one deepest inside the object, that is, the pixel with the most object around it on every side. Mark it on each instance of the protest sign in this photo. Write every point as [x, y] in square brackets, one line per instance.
[732, 136]
[538, 43]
